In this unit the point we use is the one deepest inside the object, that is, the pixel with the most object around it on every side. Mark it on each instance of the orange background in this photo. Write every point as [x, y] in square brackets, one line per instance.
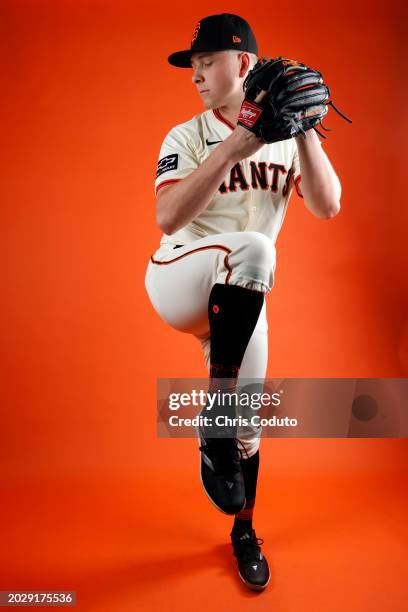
[92, 501]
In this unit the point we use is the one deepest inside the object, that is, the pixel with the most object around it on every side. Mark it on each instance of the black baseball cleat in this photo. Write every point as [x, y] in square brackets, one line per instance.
[221, 473]
[252, 565]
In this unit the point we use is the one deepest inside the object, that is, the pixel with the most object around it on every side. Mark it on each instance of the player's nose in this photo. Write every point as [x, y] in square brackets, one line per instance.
[197, 76]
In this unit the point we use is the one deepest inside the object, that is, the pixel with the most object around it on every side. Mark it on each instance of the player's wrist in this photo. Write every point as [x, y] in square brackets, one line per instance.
[243, 143]
[229, 149]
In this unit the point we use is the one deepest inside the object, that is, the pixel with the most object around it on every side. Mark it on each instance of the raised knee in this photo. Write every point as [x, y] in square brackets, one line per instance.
[260, 248]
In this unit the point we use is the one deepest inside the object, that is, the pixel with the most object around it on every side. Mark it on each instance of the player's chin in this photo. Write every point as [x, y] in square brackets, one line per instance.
[208, 103]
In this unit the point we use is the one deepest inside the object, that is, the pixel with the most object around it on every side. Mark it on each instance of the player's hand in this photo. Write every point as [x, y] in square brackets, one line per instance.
[242, 143]
[297, 100]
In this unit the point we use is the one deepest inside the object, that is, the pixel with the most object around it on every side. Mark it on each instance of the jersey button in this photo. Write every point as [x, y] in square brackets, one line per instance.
[254, 208]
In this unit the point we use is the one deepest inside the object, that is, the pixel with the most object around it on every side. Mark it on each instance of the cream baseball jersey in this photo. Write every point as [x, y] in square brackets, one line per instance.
[254, 194]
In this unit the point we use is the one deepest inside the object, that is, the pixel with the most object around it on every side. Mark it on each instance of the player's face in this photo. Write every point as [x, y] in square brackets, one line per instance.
[216, 76]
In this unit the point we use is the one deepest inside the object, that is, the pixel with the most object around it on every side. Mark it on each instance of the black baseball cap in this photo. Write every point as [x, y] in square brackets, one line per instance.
[217, 33]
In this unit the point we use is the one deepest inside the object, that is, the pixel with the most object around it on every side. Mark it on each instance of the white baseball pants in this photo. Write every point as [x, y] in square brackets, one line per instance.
[179, 281]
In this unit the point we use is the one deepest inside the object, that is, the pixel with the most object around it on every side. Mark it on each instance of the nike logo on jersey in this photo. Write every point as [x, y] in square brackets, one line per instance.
[211, 142]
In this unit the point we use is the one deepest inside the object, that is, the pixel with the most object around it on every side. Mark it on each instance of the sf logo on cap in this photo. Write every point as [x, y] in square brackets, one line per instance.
[195, 33]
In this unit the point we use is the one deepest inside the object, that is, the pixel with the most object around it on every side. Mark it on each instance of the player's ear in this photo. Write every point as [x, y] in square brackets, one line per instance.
[244, 63]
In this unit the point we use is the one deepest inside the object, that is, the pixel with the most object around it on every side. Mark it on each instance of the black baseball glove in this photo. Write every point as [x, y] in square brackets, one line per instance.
[296, 100]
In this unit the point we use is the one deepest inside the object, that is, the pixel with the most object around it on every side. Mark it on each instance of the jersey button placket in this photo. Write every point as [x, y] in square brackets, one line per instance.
[252, 208]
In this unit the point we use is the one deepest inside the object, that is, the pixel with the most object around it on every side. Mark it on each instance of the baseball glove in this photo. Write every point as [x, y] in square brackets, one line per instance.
[295, 100]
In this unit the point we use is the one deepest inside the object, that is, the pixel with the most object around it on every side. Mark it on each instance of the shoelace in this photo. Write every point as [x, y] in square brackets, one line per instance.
[248, 549]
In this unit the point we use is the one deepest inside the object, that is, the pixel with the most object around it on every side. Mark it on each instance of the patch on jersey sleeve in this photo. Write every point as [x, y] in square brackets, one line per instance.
[170, 162]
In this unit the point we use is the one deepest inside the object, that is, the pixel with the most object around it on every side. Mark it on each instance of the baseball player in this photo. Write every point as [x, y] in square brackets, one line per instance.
[222, 195]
